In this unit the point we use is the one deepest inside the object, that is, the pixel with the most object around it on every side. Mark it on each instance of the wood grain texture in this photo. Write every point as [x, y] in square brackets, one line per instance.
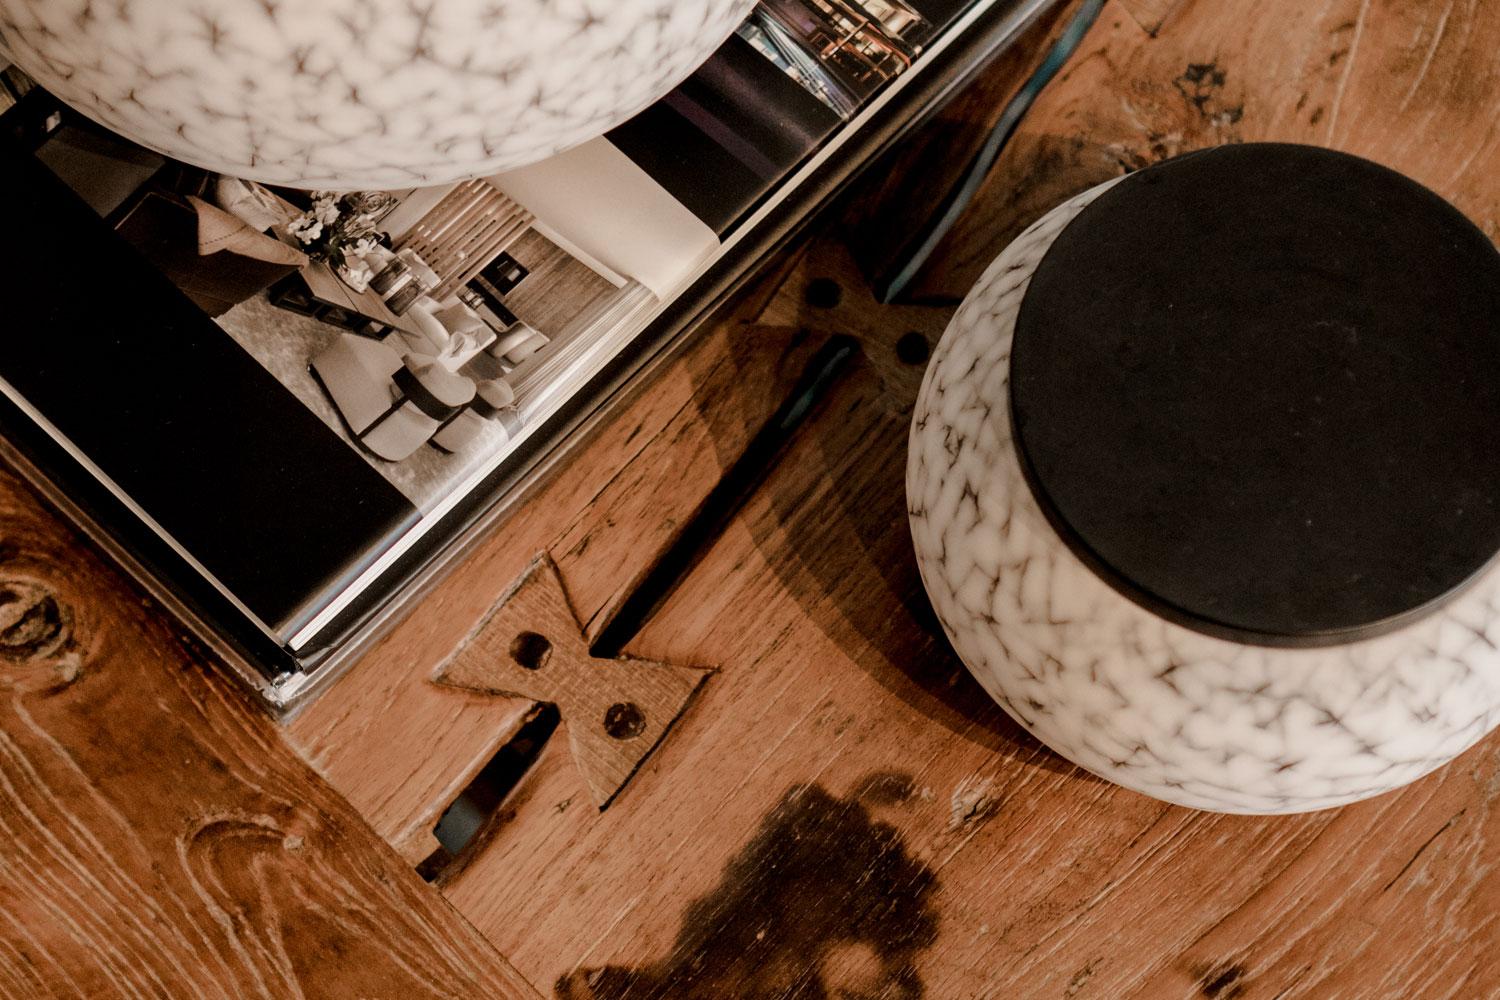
[981, 865]
[1150, 14]
[531, 645]
[401, 749]
[159, 838]
[612, 541]
[1408, 83]
[842, 811]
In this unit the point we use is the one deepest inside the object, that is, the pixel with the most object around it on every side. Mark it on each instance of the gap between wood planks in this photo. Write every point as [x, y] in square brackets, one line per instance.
[468, 823]
[401, 748]
[1097, 891]
[820, 290]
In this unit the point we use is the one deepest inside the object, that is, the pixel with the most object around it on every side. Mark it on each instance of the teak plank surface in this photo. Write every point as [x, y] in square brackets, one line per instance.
[840, 811]
[1412, 84]
[1150, 14]
[532, 646]
[842, 808]
[160, 839]
[402, 748]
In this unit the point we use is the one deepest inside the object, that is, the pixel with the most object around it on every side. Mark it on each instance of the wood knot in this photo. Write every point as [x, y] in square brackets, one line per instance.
[32, 622]
[1221, 982]
[974, 800]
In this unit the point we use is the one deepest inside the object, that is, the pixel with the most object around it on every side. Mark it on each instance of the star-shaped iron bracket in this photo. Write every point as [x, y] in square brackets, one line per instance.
[531, 645]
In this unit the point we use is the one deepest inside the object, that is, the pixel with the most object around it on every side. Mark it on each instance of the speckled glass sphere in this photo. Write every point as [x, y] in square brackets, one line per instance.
[352, 94]
[1143, 697]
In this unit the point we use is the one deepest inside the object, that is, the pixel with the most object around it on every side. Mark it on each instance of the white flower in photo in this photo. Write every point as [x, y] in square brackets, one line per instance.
[305, 228]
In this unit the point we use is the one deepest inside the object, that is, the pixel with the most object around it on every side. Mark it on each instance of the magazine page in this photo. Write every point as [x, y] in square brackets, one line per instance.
[357, 363]
[777, 90]
[401, 321]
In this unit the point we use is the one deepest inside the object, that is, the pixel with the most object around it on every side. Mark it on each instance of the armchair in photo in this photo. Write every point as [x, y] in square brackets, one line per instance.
[416, 386]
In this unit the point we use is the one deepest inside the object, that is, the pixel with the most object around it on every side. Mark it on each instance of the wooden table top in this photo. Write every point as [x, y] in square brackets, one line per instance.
[329, 287]
[326, 285]
[838, 810]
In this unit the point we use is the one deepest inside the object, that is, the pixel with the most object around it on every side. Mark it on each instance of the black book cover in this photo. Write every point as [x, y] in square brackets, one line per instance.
[772, 95]
[202, 438]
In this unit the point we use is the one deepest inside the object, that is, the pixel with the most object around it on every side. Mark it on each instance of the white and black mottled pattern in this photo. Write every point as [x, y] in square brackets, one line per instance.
[1155, 706]
[362, 93]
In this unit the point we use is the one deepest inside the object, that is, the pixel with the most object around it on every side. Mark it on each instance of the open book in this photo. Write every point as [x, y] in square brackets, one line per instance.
[286, 411]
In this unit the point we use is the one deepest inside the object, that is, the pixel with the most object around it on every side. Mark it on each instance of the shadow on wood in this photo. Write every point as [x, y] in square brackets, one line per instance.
[824, 901]
[831, 517]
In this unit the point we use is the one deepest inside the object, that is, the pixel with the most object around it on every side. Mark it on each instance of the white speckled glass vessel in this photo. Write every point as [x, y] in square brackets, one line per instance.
[362, 93]
[1106, 672]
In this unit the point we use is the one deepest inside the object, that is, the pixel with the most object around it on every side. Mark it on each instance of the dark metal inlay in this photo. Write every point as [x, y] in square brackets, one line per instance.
[727, 497]
[624, 720]
[913, 348]
[531, 650]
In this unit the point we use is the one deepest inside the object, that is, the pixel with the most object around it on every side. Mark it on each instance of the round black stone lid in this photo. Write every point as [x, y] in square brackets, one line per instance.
[1257, 389]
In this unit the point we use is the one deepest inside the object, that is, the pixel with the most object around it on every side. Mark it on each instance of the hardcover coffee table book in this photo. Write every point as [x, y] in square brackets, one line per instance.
[287, 412]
